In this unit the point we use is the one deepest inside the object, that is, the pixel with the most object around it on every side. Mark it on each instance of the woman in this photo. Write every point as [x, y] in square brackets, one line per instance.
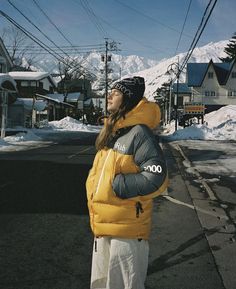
[129, 170]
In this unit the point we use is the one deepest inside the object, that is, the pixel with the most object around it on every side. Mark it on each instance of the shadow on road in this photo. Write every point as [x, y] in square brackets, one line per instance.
[42, 187]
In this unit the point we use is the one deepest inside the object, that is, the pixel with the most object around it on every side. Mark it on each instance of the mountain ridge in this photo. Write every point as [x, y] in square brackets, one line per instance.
[153, 71]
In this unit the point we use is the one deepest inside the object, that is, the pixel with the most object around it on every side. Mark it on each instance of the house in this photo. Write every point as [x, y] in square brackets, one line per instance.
[30, 110]
[213, 84]
[75, 85]
[8, 88]
[184, 94]
[7, 97]
[30, 82]
[57, 107]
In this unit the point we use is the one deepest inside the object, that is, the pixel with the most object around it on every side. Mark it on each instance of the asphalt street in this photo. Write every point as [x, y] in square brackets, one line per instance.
[45, 238]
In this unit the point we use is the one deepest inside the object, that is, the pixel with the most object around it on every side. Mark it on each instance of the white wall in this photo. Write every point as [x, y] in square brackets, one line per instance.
[221, 92]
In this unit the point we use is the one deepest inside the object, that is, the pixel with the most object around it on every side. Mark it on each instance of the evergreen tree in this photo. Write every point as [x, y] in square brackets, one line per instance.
[230, 50]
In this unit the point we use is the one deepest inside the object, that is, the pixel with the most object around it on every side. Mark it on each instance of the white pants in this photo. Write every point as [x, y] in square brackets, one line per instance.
[119, 263]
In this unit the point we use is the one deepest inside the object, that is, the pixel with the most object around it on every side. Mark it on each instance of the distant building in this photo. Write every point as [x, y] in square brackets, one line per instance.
[184, 94]
[213, 84]
[30, 82]
[8, 88]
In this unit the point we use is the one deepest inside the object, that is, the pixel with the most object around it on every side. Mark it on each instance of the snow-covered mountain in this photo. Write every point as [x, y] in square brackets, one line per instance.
[124, 66]
[120, 65]
[156, 75]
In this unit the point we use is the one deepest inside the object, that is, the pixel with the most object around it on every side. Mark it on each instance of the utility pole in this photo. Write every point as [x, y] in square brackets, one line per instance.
[4, 113]
[106, 76]
[109, 46]
[175, 69]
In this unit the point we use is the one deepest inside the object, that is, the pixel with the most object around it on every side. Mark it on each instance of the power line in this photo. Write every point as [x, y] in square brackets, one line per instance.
[201, 27]
[44, 46]
[199, 32]
[43, 33]
[149, 17]
[9, 1]
[43, 12]
[133, 38]
[93, 17]
[182, 30]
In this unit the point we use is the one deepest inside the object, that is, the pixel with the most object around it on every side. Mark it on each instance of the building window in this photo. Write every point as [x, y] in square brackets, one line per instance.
[233, 74]
[210, 93]
[40, 85]
[210, 75]
[24, 83]
[232, 93]
[33, 83]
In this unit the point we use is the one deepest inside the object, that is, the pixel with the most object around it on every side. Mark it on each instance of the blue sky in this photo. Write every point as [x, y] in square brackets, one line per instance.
[148, 28]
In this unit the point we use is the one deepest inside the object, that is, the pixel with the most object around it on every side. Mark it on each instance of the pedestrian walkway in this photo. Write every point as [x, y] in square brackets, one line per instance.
[181, 251]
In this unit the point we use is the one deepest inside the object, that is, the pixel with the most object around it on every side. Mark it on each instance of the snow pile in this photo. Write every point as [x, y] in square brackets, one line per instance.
[3, 143]
[221, 116]
[219, 125]
[22, 137]
[71, 124]
[21, 141]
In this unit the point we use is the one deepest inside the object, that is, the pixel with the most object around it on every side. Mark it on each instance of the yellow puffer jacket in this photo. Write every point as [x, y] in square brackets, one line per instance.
[126, 176]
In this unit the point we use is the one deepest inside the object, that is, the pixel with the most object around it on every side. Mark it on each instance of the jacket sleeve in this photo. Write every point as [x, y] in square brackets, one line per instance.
[153, 170]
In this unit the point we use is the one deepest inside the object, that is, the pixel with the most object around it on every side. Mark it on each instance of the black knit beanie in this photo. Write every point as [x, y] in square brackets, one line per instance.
[132, 88]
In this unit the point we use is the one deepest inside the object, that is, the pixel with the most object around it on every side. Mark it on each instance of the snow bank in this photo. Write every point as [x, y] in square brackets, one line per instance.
[71, 124]
[219, 125]
[39, 137]
[22, 137]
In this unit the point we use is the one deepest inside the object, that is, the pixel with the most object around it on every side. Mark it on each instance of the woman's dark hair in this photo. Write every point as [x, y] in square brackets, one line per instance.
[107, 133]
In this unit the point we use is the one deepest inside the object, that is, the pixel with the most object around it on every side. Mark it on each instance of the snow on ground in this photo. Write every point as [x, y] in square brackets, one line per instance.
[71, 124]
[216, 134]
[32, 138]
[218, 125]
[218, 158]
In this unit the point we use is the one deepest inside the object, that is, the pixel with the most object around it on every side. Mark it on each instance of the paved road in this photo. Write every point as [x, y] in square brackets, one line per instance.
[45, 239]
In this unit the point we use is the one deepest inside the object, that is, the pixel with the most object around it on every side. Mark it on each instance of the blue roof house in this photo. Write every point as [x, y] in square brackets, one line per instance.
[213, 84]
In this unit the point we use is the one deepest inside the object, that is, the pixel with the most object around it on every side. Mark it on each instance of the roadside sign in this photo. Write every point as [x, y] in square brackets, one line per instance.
[194, 108]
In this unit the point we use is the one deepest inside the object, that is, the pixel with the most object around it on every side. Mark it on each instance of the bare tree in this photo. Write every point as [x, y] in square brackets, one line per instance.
[19, 46]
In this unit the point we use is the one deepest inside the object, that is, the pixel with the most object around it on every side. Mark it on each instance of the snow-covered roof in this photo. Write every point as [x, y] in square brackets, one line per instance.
[31, 75]
[30, 103]
[183, 88]
[54, 100]
[5, 77]
[197, 71]
[57, 96]
[74, 96]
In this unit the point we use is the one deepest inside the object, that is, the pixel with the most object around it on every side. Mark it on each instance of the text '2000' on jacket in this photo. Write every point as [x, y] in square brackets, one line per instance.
[126, 176]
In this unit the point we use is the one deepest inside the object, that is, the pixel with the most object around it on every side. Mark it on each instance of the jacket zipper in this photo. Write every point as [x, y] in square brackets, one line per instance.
[100, 178]
[139, 209]
[98, 185]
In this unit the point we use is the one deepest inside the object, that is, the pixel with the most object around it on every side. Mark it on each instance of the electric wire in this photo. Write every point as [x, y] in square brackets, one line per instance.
[182, 30]
[49, 19]
[44, 46]
[199, 31]
[150, 18]
[93, 18]
[201, 27]
[64, 52]
[9, 1]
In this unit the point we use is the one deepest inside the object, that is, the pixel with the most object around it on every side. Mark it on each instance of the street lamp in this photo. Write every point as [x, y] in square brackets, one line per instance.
[174, 68]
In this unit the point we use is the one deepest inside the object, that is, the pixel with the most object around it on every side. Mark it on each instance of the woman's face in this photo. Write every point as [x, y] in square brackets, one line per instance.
[114, 100]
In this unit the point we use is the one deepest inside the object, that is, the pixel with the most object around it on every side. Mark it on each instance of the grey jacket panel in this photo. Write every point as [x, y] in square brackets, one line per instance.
[148, 156]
